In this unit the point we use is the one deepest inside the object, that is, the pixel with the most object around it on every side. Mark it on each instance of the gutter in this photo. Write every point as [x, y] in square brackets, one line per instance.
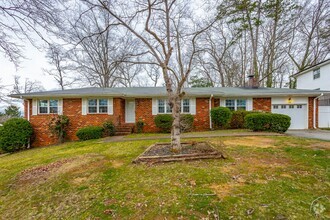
[314, 110]
[210, 106]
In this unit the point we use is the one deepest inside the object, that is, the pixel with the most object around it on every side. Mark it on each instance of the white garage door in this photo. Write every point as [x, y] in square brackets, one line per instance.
[298, 114]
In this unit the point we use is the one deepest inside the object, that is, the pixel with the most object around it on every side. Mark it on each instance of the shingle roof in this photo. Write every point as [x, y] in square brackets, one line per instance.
[161, 91]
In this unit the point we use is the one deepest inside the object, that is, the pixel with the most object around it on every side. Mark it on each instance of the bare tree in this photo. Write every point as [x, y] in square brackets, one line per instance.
[309, 32]
[21, 20]
[57, 57]
[169, 38]
[28, 86]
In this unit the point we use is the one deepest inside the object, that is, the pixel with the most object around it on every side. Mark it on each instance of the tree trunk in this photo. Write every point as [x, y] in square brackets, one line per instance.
[176, 132]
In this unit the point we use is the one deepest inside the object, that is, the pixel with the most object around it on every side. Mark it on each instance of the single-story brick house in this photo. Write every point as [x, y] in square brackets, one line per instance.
[125, 106]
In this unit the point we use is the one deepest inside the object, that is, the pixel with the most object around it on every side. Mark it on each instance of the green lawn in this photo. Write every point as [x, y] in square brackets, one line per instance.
[201, 133]
[263, 178]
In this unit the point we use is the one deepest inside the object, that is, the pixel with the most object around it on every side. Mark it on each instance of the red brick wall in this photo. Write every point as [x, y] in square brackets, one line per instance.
[143, 111]
[72, 109]
[311, 113]
[262, 104]
[201, 119]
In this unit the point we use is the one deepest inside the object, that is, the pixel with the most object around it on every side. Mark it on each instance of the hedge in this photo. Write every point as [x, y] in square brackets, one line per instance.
[164, 122]
[109, 128]
[220, 116]
[15, 134]
[186, 122]
[90, 132]
[268, 122]
[237, 119]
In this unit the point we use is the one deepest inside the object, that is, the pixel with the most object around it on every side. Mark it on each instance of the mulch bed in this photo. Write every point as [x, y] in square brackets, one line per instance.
[163, 152]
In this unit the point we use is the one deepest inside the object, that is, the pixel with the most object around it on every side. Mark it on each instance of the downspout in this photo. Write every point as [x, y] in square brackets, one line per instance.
[28, 110]
[210, 106]
[28, 118]
[314, 110]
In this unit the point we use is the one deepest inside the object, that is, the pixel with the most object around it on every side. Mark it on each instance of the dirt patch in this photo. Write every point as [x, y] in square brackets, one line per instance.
[164, 152]
[253, 141]
[117, 163]
[320, 145]
[75, 166]
[224, 190]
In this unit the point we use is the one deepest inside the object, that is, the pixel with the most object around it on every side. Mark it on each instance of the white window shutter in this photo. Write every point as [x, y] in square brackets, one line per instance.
[84, 106]
[110, 106]
[34, 107]
[192, 107]
[60, 107]
[223, 102]
[249, 104]
[154, 106]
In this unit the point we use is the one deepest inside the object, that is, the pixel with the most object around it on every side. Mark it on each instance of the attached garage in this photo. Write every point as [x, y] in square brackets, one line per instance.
[296, 108]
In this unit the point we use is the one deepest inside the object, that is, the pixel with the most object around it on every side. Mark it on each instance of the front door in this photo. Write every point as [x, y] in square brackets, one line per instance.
[130, 111]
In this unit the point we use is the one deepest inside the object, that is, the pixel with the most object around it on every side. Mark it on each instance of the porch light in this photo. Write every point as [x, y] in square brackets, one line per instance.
[290, 100]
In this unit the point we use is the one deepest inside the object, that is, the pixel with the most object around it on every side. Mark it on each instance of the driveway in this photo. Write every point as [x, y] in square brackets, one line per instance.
[316, 134]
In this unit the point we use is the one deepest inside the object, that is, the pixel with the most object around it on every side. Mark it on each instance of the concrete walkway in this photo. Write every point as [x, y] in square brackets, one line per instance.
[195, 135]
[315, 134]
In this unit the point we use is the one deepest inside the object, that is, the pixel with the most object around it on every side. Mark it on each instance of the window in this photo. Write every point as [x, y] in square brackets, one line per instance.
[316, 73]
[230, 103]
[241, 104]
[283, 106]
[185, 106]
[164, 107]
[48, 106]
[236, 104]
[291, 106]
[97, 106]
[299, 106]
[275, 106]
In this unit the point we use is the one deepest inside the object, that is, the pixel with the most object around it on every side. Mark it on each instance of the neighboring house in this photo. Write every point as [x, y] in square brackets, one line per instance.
[317, 77]
[125, 106]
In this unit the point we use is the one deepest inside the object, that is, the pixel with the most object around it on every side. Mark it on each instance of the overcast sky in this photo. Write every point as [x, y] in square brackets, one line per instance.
[30, 67]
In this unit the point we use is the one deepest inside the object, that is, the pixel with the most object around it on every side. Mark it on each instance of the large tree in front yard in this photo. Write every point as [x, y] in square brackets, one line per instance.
[170, 31]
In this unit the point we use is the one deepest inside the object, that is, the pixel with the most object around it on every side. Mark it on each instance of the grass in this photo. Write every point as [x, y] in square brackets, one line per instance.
[267, 177]
[215, 132]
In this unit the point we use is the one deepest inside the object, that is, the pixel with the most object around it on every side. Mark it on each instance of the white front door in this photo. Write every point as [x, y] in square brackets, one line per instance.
[298, 114]
[130, 111]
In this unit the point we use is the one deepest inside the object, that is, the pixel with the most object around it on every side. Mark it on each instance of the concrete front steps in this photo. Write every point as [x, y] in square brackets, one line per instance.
[124, 129]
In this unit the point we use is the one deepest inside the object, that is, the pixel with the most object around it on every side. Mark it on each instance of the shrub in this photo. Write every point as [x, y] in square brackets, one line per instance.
[90, 132]
[267, 122]
[237, 119]
[58, 125]
[15, 134]
[109, 128]
[139, 126]
[186, 122]
[220, 116]
[164, 122]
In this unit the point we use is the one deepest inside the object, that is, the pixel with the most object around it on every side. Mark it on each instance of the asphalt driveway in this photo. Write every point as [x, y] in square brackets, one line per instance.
[316, 134]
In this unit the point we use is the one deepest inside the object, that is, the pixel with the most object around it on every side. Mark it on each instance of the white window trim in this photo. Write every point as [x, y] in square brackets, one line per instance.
[97, 106]
[48, 106]
[235, 103]
[165, 106]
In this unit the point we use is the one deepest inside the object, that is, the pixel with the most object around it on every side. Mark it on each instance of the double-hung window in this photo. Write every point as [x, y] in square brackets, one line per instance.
[48, 106]
[316, 73]
[185, 108]
[236, 104]
[97, 106]
[163, 106]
